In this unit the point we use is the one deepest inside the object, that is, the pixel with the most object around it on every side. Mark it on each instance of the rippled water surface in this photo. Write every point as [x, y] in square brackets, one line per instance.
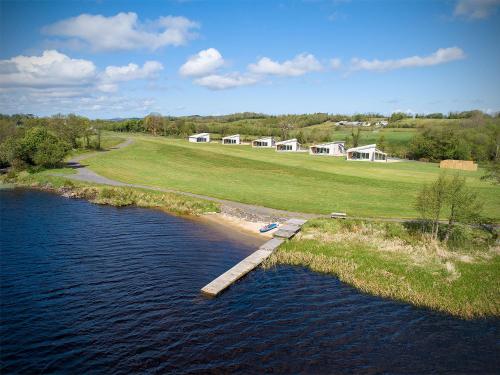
[94, 289]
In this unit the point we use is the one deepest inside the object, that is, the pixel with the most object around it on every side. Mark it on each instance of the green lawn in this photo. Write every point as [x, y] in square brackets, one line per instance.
[295, 182]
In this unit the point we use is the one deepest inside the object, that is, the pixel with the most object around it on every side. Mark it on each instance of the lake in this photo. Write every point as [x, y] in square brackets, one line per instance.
[99, 289]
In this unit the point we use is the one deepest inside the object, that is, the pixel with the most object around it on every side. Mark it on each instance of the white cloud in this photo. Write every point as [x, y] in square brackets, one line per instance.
[476, 9]
[124, 31]
[129, 72]
[299, 65]
[107, 87]
[54, 70]
[64, 100]
[203, 63]
[441, 56]
[54, 82]
[51, 69]
[335, 63]
[226, 81]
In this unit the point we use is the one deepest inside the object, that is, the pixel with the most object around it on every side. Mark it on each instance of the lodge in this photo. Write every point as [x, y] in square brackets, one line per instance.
[264, 142]
[231, 140]
[330, 149]
[366, 153]
[290, 145]
[199, 138]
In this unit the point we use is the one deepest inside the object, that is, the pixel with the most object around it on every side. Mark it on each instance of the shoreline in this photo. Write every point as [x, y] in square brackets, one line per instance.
[235, 227]
[375, 258]
[242, 232]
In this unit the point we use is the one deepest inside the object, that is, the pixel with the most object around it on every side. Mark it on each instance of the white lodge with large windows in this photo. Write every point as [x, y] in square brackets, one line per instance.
[264, 142]
[366, 153]
[288, 145]
[199, 138]
[231, 140]
[330, 148]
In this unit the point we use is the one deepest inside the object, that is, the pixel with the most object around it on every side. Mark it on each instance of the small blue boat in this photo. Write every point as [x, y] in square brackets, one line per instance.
[268, 227]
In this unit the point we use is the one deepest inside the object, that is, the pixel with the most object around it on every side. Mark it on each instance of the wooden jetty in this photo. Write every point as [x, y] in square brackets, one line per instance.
[287, 231]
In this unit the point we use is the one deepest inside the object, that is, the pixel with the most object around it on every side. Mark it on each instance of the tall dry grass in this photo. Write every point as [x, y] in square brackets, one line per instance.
[387, 260]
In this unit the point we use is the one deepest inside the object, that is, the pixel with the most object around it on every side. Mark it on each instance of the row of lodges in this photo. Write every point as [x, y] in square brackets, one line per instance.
[337, 148]
[381, 123]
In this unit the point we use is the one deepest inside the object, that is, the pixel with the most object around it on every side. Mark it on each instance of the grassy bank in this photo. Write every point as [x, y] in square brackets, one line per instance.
[391, 260]
[114, 196]
[288, 181]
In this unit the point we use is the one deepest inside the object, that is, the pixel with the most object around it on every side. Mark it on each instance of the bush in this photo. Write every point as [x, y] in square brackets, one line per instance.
[468, 237]
[10, 151]
[50, 153]
[38, 147]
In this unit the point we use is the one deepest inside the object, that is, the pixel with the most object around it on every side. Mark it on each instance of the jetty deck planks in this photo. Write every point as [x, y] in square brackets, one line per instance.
[289, 229]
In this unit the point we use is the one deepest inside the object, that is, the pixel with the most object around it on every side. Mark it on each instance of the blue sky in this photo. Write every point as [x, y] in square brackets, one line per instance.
[128, 58]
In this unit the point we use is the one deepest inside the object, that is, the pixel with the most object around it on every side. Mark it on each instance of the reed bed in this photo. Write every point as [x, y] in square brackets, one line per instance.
[389, 260]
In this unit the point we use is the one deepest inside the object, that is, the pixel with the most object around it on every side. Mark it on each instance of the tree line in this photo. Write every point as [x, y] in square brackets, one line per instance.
[474, 137]
[28, 141]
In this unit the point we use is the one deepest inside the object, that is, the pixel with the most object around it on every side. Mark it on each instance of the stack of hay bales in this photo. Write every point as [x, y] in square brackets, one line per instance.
[466, 165]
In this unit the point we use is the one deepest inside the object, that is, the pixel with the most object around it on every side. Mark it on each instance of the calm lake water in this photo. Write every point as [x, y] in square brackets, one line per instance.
[95, 289]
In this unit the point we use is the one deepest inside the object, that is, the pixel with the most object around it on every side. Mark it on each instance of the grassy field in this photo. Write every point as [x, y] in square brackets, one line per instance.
[427, 122]
[393, 136]
[385, 259]
[293, 181]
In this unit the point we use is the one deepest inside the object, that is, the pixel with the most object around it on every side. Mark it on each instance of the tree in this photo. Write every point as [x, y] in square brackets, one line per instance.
[11, 150]
[32, 139]
[285, 129]
[50, 153]
[69, 128]
[37, 147]
[430, 202]
[381, 143]
[453, 196]
[396, 116]
[301, 138]
[463, 203]
[355, 136]
[98, 139]
[153, 123]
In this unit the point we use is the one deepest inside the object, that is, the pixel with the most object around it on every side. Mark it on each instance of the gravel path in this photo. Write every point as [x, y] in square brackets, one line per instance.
[246, 211]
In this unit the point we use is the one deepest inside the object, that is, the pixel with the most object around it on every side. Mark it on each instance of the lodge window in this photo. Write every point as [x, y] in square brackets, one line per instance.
[360, 155]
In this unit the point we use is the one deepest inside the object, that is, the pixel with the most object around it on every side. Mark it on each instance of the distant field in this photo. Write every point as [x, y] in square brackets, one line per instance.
[393, 136]
[295, 182]
[423, 122]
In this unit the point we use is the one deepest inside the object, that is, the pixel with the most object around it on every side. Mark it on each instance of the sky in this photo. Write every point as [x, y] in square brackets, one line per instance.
[107, 59]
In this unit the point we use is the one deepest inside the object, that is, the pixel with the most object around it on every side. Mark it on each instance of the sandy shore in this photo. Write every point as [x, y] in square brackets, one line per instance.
[239, 226]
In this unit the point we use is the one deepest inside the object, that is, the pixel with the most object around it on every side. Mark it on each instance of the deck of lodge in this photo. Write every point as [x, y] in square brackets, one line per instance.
[287, 231]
